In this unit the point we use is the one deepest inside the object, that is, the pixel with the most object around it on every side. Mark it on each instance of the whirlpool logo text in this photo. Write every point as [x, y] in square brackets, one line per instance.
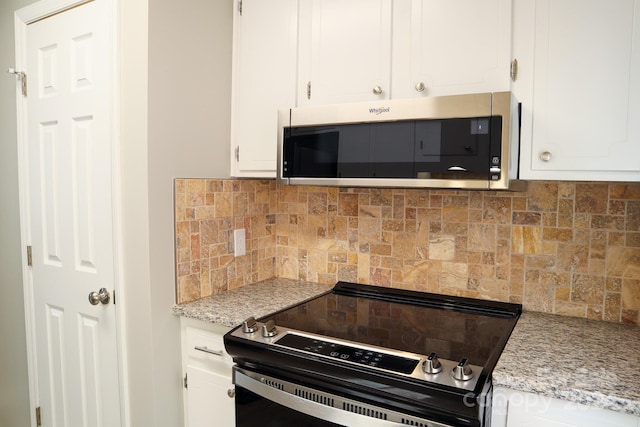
[380, 110]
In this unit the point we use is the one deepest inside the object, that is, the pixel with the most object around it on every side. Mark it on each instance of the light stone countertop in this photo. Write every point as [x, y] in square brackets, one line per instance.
[584, 361]
[230, 308]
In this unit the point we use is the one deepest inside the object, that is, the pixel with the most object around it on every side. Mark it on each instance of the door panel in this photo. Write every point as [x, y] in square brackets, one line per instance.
[345, 51]
[69, 150]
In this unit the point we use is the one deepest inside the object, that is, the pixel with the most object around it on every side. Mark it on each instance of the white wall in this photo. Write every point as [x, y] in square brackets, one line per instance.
[136, 285]
[14, 384]
[189, 132]
[187, 112]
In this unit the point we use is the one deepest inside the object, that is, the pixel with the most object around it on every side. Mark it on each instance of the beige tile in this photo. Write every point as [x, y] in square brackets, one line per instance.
[454, 275]
[542, 196]
[570, 309]
[592, 198]
[442, 248]
[497, 210]
[521, 247]
[612, 306]
[623, 262]
[482, 237]
[627, 191]
[631, 294]
[588, 289]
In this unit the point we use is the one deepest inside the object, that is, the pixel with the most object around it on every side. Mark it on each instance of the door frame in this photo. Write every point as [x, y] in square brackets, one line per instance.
[22, 17]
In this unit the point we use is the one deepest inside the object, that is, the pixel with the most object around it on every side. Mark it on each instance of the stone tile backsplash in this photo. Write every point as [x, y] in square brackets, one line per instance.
[571, 248]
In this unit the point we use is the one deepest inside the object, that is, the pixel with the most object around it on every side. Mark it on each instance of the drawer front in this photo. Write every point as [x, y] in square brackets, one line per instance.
[206, 349]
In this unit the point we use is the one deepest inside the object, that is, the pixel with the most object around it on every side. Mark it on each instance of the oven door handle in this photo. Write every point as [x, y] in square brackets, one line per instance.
[274, 391]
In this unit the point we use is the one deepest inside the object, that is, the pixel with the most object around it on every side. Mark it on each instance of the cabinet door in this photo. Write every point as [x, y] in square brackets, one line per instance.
[582, 102]
[264, 76]
[208, 400]
[451, 47]
[345, 51]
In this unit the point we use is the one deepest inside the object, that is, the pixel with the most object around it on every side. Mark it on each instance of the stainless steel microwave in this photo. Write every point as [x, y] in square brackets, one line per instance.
[460, 141]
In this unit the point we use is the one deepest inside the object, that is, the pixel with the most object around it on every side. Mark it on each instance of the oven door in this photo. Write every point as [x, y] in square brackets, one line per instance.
[267, 401]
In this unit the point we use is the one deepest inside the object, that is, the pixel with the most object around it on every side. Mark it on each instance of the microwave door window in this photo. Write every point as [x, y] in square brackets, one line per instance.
[354, 151]
[452, 148]
[393, 149]
[313, 152]
[428, 148]
[466, 145]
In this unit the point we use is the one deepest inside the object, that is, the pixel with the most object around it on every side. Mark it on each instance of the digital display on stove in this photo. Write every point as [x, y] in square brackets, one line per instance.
[348, 353]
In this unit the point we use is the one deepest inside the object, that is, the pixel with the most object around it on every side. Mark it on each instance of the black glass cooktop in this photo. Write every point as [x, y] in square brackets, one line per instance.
[416, 322]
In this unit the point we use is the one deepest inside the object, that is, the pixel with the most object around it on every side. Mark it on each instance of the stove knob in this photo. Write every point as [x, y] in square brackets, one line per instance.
[249, 326]
[462, 372]
[269, 329]
[432, 365]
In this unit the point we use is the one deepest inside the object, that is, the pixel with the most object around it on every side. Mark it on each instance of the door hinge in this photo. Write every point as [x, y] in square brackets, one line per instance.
[514, 70]
[38, 417]
[29, 257]
[308, 90]
[184, 381]
[23, 78]
[237, 153]
[240, 7]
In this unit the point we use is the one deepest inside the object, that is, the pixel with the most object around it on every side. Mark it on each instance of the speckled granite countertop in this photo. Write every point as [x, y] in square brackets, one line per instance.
[258, 299]
[584, 361]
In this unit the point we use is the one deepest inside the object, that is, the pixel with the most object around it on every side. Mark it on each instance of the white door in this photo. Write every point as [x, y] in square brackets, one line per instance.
[68, 148]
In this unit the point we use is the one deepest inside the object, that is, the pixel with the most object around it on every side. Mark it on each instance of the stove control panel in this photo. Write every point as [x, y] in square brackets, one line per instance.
[390, 362]
[429, 368]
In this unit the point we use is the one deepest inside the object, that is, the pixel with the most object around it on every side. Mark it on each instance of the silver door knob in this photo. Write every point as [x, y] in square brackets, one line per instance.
[231, 392]
[102, 296]
[545, 156]
[377, 90]
[420, 87]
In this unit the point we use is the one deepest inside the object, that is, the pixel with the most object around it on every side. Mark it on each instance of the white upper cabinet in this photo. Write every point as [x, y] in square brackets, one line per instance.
[450, 47]
[264, 76]
[578, 75]
[579, 84]
[344, 51]
[364, 50]
[291, 53]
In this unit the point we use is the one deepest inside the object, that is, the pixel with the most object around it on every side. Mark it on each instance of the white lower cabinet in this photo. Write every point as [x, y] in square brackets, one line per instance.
[521, 409]
[206, 370]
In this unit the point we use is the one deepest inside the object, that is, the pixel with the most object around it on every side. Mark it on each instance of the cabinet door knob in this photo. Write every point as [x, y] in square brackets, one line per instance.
[420, 87]
[377, 90]
[545, 156]
[231, 392]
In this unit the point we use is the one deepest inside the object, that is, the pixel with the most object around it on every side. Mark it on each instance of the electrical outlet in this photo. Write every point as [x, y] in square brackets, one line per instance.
[239, 242]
